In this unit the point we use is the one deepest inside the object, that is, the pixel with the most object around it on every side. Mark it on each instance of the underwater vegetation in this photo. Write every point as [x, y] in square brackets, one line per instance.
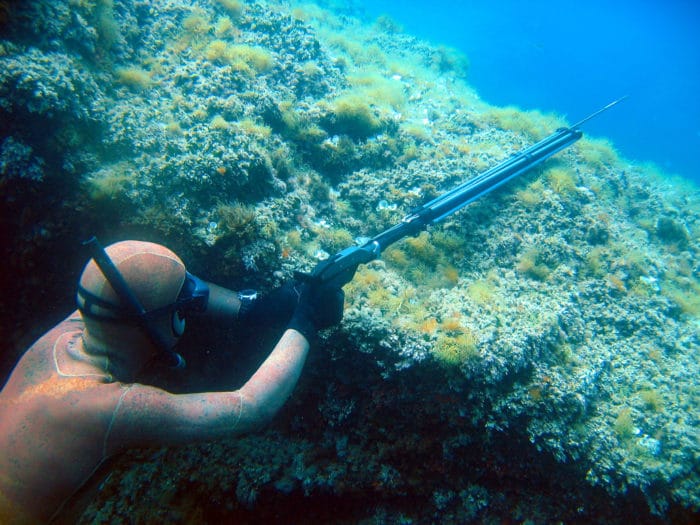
[545, 336]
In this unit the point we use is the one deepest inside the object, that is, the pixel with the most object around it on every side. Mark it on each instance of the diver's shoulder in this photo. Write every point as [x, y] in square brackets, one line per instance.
[72, 323]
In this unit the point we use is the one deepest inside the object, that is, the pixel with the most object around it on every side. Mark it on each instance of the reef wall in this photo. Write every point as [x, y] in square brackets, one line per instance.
[534, 357]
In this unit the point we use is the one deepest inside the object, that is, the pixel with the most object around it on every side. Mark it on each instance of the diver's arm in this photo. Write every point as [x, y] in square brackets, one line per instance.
[149, 416]
[272, 309]
[223, 303]
[274, 381]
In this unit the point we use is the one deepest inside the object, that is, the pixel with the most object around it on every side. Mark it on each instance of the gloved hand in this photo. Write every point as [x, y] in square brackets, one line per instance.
[272, 309]
[319, 307]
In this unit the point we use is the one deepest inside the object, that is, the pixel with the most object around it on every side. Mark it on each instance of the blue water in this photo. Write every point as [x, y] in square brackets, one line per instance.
[572, 57]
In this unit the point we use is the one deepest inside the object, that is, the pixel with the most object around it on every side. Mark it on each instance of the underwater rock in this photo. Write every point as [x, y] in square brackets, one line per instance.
[541, 342]
[17, 162]
[671, 232]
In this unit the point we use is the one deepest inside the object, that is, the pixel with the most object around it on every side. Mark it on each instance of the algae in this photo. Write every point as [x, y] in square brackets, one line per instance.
[552, 324]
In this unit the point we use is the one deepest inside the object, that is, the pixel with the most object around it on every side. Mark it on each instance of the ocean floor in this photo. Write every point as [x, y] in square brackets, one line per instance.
[534, 358]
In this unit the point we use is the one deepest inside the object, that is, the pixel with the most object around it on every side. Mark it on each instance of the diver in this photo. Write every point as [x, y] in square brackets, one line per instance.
[74, 400]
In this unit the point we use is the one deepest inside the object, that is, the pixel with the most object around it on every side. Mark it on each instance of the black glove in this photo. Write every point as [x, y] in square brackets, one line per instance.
[273, 309]
[319, 307]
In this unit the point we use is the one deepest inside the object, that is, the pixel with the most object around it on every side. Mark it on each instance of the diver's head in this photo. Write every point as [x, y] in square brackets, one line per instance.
[133, 297]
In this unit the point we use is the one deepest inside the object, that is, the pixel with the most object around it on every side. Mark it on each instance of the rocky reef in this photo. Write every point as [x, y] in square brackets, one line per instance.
[533, 358]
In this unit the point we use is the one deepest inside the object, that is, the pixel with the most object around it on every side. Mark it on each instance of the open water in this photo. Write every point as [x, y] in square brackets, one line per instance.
[571, 57]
